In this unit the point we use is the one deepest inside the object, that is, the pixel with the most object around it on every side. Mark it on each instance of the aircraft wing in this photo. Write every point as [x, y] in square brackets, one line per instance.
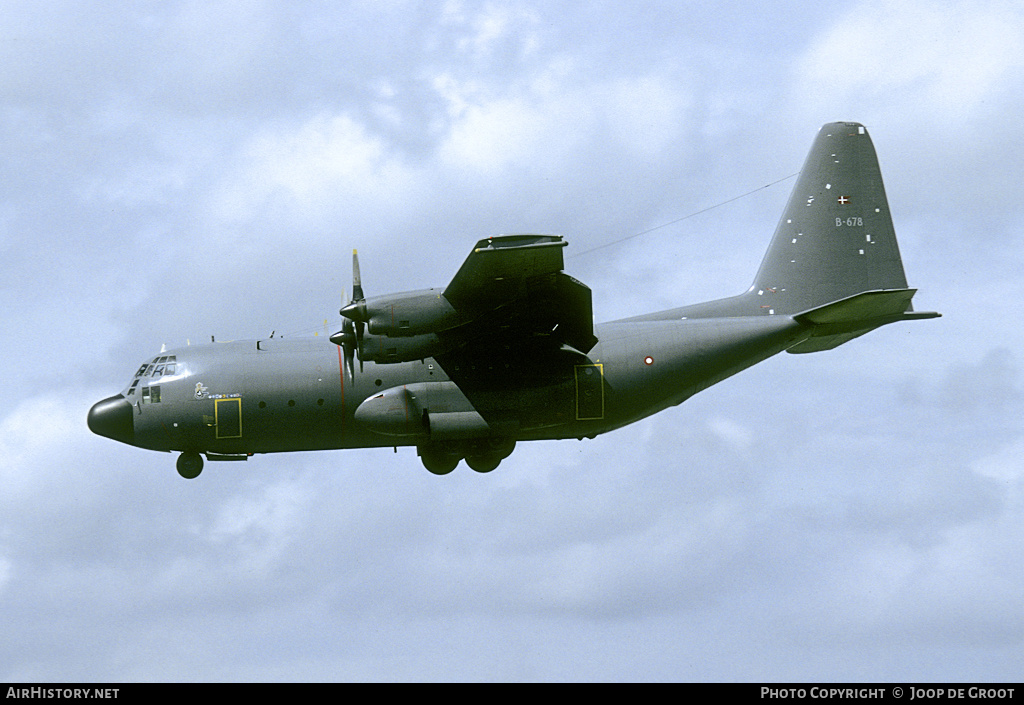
[529, 323]
[512, 290]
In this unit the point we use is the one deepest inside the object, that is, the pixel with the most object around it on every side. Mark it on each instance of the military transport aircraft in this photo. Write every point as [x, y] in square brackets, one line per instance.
[508, 351]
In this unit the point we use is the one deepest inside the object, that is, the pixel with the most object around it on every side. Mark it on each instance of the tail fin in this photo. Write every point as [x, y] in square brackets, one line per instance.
[833, 263]
[835, 238]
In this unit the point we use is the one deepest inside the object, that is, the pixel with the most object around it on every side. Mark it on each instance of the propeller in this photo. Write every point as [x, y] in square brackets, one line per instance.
[350, 337]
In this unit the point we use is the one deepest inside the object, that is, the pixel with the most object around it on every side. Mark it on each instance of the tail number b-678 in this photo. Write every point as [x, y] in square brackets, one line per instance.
[851, 222]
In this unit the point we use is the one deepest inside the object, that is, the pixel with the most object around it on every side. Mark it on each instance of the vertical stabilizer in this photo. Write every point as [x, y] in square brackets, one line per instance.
[833, 263]
[836, 237]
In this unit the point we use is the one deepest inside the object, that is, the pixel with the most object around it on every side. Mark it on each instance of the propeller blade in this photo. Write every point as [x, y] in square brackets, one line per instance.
[356, 308]
[359, 341]
[357, 281]
[346, 339]
[349, 364]
[350, 337]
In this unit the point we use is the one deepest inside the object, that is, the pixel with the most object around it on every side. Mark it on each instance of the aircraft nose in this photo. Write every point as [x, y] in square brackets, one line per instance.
[113, 418]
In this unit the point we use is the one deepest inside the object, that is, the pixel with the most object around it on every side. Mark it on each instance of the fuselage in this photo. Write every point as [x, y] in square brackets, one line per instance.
[274, 395]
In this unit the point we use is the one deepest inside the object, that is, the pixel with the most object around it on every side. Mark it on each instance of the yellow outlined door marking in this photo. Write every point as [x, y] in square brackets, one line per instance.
[589, 392]
[227, 414]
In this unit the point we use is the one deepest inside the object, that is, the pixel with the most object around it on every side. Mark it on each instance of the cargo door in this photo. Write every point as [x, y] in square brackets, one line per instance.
[227, 417]
[589, 392]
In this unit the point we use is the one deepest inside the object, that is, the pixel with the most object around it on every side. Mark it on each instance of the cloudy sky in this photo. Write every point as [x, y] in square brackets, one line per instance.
[175, 170]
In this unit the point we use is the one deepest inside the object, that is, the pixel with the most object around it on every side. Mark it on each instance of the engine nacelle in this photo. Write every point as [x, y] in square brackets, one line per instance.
[384, 349]
[394, 412]
[409, 314]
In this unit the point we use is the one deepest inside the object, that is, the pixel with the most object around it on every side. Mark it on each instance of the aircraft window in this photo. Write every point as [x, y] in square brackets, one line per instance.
[131, 389]
[145, 393]
[154, 394]
[155, 369]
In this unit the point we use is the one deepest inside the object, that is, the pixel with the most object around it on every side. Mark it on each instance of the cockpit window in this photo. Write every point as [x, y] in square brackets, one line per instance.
[163, 365]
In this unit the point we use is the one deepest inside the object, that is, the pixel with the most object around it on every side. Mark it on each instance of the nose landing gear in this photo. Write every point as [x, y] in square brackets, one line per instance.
[190, 464]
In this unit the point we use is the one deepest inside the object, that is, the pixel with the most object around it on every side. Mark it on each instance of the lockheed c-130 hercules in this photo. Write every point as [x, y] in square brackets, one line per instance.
[509, 352]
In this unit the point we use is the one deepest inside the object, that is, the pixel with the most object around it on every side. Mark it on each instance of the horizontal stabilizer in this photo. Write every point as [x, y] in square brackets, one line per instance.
[846, 319]
[860, 307]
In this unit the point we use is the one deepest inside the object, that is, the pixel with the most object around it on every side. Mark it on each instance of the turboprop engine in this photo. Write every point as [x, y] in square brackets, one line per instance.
[407, 314]
[384, 349]
[395, 328]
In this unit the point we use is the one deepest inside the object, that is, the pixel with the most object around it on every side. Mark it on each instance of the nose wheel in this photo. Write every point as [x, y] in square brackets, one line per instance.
[190, 464]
